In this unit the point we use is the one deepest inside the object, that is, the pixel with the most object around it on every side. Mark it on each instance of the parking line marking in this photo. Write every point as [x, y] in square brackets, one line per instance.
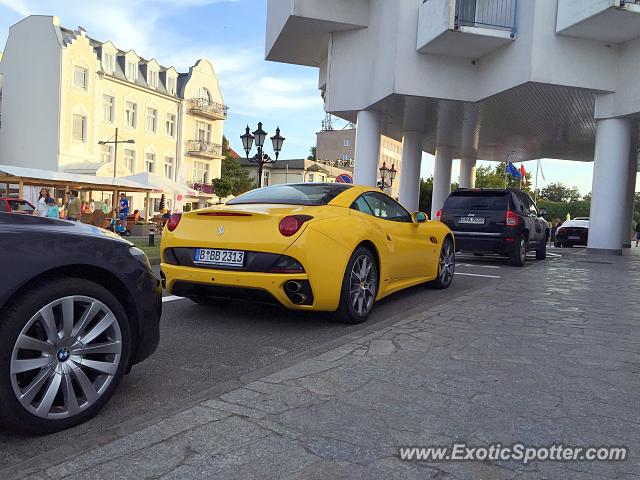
[476, 275]
[171, 298]
[473, 265]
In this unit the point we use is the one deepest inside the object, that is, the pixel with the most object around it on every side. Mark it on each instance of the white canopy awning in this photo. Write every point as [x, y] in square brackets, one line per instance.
[161, 184]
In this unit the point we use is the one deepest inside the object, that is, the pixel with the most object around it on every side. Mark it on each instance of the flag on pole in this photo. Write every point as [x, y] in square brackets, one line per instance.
[523, 173]
[541, 171]
[510, 169]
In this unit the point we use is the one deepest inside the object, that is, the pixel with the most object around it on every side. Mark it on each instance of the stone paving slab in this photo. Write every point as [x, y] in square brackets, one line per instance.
[555, 361]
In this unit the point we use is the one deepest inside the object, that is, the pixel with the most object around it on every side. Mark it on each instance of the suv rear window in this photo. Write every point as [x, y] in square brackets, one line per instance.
[477, 201]
[311, 194]
[20, 206]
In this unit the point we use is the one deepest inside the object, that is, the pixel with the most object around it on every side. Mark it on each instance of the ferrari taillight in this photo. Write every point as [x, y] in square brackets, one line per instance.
[290, 225]
[173, 222]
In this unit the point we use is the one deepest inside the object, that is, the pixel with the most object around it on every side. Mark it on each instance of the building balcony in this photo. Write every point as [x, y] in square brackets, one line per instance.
[201, 187]
[200, 148]
[611, 21]
[466, 28]
[207, 108]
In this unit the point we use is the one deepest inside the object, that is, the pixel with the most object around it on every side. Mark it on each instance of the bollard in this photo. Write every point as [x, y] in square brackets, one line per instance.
[152, 239]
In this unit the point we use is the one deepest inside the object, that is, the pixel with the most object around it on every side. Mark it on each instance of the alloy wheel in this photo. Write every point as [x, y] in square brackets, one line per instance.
[523, 250]
[65, 357]
[447, 265]
[363, 285]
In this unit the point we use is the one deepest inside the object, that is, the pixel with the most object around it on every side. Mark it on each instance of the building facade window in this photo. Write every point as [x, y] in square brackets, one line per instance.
[108, 108]
[79, 128]
[169, 163]
[171, 85]
[345, 156]
[203, 94]
[170, 125]
[152, 79]
[347, 142]
[203, 131]
[152, 120]
[150, 163]
[131, 114]
[108, 63]
[106, 153]
[310, 177]
[265, 179]
[130, 159]
[200, 172]
[132, 71]
[81, 77]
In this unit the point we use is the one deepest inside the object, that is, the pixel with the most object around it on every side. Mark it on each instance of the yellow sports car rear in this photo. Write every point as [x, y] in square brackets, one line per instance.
[325, 247]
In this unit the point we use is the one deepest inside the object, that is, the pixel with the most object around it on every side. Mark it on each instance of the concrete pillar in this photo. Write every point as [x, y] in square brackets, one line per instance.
[630, 197]
[610, 172]
[410, 172]
[365, 171]
[441, 177]
[467, 172]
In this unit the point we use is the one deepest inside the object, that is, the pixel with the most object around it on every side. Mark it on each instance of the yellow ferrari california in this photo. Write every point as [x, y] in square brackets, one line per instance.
[325, 247]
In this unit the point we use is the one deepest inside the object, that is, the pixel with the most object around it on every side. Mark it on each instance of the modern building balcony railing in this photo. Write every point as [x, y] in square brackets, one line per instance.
[207, 108]
[201, 148]
[610, 21]
[500, 14]
[201, 186]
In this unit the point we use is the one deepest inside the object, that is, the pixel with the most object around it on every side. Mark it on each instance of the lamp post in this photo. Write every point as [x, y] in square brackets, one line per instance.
[387, 173]
[116, 140]
[261, 158]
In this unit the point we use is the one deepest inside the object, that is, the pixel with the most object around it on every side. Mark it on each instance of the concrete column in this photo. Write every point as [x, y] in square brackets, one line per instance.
[410, 172]
[467, 172]
[365, 171]
[610, 172]
[630, 196]
[441, 177]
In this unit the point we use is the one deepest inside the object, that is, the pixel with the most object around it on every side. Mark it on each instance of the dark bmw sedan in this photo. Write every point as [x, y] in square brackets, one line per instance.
[572, 232]
[78, 307]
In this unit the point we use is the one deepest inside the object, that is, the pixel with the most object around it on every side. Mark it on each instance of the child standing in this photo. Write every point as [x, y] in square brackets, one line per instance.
[52, 209]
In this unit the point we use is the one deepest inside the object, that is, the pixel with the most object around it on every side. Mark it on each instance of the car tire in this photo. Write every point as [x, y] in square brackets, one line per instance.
[356, 303]
[541, 253]
[557, 244]
[36, 323]
[446, 266]
[519, 255]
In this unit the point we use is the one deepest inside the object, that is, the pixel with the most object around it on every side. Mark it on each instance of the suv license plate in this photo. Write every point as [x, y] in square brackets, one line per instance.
[212, 256]
[472, 220]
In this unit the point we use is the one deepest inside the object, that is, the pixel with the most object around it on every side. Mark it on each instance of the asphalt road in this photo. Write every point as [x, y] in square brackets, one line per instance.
[209, 350]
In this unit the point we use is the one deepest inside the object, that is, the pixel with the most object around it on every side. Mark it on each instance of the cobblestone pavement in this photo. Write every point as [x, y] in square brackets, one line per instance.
[555, 360]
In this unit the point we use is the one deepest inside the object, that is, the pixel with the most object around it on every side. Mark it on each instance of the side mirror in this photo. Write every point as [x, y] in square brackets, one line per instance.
[419, 217]
[543, 212]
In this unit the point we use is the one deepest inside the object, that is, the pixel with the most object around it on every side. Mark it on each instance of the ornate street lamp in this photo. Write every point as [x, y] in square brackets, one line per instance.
[261, 158]
[387, 173]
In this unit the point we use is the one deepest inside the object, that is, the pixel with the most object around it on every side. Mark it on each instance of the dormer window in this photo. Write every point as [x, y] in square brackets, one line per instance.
[132, 71]
[108, 63]
[152, 78]
[171, 85]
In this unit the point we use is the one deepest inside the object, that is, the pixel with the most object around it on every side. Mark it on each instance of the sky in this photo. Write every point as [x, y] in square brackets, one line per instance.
[231, 34]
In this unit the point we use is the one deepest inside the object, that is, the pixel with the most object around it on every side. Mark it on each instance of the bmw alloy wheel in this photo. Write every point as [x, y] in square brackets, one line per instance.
[363, 284]
[65, 357]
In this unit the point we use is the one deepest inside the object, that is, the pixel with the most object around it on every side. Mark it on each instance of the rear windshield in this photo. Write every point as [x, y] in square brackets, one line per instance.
[20, 206]
[477, 200]
[311, 194]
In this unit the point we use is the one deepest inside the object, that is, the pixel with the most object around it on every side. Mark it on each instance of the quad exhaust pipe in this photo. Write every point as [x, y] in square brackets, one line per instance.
[292, 286]
[298, 298]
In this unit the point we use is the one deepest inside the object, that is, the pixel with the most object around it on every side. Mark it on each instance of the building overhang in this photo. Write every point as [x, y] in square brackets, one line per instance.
[593, 19]
[298, 31]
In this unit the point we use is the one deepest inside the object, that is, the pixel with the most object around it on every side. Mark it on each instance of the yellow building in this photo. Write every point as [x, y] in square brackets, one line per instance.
[63, 92]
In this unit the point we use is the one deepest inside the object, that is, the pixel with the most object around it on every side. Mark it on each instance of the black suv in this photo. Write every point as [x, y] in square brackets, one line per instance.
[506, 222]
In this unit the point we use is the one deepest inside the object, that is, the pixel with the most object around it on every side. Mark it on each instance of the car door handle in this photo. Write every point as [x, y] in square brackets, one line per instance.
[388, 237]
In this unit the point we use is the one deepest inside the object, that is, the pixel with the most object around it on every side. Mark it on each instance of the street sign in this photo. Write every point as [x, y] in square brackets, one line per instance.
[344, 178]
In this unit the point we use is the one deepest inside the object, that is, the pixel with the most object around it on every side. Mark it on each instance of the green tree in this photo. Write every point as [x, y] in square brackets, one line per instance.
[236, 179]
[557, 192]
[312, 154]
[426, 192]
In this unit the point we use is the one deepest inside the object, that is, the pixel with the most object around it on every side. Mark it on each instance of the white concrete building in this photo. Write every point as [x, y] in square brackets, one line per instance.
[490, 79]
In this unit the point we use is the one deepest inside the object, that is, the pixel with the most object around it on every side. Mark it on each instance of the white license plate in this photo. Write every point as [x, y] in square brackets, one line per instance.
[213, 256]
[574, 237]
[472, 220]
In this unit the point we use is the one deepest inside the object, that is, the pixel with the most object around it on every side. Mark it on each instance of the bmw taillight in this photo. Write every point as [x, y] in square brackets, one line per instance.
[173, 222]
[561, 231]
[290, 225]
[439, 214]
[512, 219]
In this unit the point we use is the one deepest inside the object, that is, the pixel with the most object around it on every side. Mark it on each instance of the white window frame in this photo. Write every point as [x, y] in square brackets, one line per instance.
[108, 63]
[347, 142]
[151, 120]
[108, 107]
[172, 84]
[150, 163]
[130, 119]
[169, 166]
[201, 172]
[310, 177]
[170, 125]
[83, 133]
[104, 151]
[129, 160]
[84, 83]
[206, 129]
[131, 70]
[153, 78]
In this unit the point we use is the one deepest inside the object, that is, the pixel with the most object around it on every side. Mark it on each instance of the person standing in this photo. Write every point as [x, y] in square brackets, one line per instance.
[52, 209]
[124, 208]
[72, 208]
[637, 234]
[41, 204]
